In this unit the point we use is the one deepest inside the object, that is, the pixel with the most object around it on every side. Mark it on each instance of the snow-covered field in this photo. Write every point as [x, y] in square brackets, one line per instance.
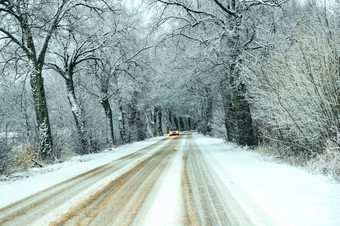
[269, 192]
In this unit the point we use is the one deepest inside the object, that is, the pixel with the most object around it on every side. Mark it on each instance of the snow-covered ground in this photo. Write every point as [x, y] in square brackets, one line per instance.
[269, 192]
[273, 193]
[38, 179]
[165, 207]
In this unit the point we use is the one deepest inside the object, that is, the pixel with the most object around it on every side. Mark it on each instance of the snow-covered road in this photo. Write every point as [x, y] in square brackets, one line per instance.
[185, 180]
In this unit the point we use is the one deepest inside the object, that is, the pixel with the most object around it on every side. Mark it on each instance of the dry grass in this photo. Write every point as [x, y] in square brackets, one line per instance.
[23, 157]
[327, 163]
[263, 150]
[66, 155]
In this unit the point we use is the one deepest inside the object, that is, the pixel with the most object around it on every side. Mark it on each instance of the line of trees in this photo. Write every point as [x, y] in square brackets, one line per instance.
[76, 77]
[224, 32]
[268, 71]
[82, 75]
[295, 94]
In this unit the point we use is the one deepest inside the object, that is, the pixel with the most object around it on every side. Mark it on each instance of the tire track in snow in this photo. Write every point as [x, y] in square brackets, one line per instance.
[119, 202]
[207, 203]
[33, 207]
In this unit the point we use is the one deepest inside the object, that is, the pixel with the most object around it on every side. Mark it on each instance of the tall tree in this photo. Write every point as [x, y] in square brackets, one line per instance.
[294, 88]
[28, 24]
[74, 50]
[234, 35]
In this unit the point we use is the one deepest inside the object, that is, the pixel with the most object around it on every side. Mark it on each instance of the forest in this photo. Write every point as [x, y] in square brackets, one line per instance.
[79, 77]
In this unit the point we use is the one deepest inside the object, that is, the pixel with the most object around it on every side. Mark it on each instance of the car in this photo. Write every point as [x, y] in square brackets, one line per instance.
[174, 132]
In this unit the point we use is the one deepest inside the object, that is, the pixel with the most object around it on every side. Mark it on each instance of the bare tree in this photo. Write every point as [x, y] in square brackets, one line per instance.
[28, 24]
[76, 51]
[232, 36]
[295, 89]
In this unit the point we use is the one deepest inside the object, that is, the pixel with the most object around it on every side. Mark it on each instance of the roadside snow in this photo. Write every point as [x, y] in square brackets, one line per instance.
[38, 179]
[272, 193]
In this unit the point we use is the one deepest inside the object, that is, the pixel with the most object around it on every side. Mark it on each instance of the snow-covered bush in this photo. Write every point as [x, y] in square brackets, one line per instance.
[23, 158]
[329, 161]
[295, 96]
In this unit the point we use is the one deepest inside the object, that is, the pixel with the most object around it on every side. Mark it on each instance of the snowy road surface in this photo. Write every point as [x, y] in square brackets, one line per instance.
[184, 180]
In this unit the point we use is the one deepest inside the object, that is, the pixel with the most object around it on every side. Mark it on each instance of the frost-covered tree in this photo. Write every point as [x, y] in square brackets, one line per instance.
[294, 88]
[228, 29]
[30, 26]
[20, 24]
[116, 73]
[74, 46]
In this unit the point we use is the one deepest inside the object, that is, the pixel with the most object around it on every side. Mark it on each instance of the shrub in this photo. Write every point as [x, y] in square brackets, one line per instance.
[329, 161]
[23, 157]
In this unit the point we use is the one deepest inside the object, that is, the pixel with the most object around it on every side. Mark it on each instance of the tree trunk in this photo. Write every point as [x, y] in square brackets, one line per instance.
[149, 122]
[136, 127]
[78, 115]
[229, 113]
[181, 123]
[245, 130]
[132, 121]
[121, 123]
[159, 123]
[154, 121]
[41, 112]
[169, 125]
[141, 134]
[108, 115]
[6, 135]
[175, 121]
[246, 133]
[209, 110]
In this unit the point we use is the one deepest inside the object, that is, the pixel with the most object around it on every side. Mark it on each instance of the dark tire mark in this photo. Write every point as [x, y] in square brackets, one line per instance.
[36, 205]
[119, 202]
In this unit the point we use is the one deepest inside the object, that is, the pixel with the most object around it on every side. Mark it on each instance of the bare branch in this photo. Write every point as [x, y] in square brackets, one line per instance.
[55, 22]
[187, 8]
[230, 12]
[9, 35]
